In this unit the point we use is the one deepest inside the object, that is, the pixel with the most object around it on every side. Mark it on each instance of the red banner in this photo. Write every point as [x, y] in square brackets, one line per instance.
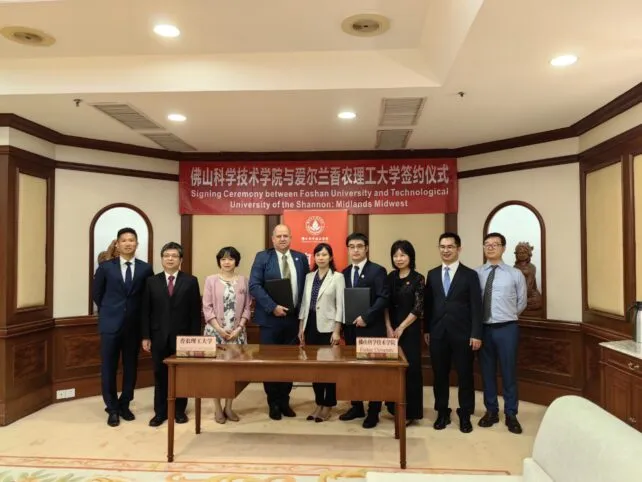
[404, 186]
[310, 228]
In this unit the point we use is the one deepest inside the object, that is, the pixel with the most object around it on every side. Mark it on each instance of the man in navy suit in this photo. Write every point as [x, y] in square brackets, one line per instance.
[277, 325]
[117, 291]
[363, 273]
[453, 330]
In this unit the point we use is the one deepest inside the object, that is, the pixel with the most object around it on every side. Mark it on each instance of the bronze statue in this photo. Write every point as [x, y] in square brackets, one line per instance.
[523, 254]
[110, 253]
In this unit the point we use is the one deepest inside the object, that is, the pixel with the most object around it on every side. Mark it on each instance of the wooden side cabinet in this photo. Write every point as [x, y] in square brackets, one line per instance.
[622, 386]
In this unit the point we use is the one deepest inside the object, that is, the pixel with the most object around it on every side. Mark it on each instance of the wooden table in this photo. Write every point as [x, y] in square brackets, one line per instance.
[235, 366]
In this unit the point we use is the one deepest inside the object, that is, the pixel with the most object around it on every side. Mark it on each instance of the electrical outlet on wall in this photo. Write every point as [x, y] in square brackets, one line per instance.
[63, 394]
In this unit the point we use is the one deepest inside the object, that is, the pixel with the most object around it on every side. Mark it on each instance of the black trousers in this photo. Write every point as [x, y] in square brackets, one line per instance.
[411, 342]
[114, 346]
[285, 333]
[325, 394]
[445, 352]
[350, 336]
[160, 351]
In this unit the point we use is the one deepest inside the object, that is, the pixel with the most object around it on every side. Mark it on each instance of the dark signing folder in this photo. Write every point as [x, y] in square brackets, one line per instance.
[356, 303]
[280, 290]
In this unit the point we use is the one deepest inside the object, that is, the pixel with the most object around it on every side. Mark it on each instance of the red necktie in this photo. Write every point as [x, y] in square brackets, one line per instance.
[170, 285]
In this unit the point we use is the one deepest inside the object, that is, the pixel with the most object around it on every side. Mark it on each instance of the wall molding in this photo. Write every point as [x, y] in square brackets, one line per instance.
[45, 133]
[116, 171]
[519, 166]
[615, 107]
[19, 329]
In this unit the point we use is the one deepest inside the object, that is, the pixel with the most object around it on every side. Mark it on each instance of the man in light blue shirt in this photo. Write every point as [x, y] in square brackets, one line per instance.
[503, 299]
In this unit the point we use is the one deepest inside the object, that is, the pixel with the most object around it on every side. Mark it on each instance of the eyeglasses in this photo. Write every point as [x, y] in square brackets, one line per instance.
[171, 256]
[450, 247]
[492, 245]
[356, 246]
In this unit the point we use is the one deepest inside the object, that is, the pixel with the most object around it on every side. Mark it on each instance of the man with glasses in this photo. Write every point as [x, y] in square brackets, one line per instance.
[171, 307]
[363, 273]
[452, 329]
[503, 299]
[277, 325]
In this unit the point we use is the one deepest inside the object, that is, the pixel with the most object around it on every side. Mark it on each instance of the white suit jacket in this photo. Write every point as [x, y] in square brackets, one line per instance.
[329, 301]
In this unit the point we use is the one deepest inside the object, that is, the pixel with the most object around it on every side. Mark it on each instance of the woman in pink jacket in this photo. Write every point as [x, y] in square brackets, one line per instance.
[226, 309]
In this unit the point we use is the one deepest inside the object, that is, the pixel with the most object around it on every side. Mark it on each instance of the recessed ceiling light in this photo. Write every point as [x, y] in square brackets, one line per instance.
[346, 115]
[564, 60]
[176, 117]
[167, 30]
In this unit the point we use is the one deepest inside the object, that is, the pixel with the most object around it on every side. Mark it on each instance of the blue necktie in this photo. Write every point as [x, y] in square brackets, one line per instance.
[446, 280]
[355, 278]
[128, 277]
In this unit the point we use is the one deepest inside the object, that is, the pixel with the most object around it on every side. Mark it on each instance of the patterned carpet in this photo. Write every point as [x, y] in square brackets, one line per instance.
[60, 469]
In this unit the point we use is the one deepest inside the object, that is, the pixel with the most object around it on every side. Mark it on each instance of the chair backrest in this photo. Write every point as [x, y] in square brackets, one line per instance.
[579, 441]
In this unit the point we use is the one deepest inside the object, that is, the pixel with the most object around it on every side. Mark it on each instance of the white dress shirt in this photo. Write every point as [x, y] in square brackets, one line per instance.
[360, 265]
[123, 266]
[167, 275]
[451, 272]
[293, 278]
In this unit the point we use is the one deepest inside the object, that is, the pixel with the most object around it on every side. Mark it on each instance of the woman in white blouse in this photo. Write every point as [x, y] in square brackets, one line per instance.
[321, 317]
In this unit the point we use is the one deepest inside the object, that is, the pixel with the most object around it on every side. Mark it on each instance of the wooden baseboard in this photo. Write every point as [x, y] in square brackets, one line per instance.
[25, 405]
[90, 386]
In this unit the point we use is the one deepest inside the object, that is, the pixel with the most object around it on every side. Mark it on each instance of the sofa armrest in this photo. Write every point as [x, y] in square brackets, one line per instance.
[532, 472]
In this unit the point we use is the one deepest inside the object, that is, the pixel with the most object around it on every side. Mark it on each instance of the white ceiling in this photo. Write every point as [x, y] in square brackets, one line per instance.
[252, 75]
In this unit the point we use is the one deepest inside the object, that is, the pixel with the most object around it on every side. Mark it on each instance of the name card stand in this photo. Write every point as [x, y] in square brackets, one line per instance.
[377, 348]
[196, 346]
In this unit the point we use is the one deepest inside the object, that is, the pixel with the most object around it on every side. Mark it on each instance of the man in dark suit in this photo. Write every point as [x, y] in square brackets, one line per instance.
[278, 326]
[171, 307]
[363, 273]
[452, 317]
[117, 291]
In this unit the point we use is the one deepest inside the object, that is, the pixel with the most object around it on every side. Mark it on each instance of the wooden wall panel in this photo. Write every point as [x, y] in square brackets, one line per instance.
[27, 372]
[549, 362]
[76, 358]
[592, 336]
[26, 334]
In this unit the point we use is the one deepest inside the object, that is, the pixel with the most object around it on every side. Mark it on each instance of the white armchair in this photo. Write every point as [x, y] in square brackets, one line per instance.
[577, 442]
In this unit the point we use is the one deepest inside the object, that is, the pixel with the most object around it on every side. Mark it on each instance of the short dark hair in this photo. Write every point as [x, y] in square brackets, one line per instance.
[454, 236]
[122, 231]
[229, 252]
[357, 237]
[405, 247]
[320, 247]
[172, 245]
[496, 235]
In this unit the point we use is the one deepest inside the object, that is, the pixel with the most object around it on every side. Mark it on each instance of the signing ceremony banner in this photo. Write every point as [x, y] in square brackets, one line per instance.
[311, 227]
[403, 186]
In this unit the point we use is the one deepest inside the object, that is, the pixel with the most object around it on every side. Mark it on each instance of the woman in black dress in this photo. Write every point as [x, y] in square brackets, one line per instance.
[406, 288]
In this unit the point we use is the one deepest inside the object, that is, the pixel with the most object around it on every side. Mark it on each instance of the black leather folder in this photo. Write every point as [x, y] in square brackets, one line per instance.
[280, 290]
[356, 303]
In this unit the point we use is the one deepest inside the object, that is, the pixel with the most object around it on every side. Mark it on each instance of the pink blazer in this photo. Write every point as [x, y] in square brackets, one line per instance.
[213, 299]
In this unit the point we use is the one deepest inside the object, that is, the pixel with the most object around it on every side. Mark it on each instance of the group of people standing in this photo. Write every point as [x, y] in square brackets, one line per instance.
[463, 311]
